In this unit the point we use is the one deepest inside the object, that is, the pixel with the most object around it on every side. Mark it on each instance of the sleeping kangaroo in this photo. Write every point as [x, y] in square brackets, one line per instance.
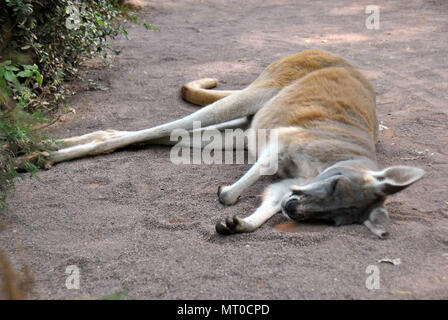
[323, 113]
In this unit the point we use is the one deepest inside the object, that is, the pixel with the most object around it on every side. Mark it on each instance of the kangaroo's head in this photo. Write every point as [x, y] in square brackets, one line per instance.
[345, 194]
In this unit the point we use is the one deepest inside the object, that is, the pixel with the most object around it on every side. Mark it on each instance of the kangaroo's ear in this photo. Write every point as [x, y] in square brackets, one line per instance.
[396, 178]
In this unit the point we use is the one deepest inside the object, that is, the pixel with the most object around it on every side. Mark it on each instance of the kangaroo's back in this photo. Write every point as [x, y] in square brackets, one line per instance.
[317, 88]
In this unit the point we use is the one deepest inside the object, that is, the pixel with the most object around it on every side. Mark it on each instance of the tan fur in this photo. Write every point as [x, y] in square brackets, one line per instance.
[318, 90]
[318, 85]
[134, 4]
[195, 91]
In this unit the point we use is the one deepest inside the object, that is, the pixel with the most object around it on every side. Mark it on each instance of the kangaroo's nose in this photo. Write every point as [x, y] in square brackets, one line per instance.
[290, 208]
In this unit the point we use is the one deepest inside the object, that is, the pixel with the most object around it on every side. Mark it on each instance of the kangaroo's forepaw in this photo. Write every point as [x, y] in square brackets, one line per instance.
[232, 225]
[226, 197]
[377, 229]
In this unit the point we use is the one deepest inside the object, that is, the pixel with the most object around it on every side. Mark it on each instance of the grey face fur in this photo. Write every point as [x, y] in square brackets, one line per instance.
[345, 194]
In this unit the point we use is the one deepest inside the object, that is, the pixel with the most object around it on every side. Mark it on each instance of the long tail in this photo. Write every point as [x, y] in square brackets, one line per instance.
[196, 91]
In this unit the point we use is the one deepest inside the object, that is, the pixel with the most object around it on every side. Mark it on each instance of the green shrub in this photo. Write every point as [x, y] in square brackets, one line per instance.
[57, 34]
[17, 137]
[42, 44]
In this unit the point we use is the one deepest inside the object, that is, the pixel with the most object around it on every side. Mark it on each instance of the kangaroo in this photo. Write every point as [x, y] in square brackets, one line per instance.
[323, 112]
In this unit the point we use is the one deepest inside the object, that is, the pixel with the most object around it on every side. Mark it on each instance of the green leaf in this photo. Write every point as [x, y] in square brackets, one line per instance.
[12, 68]
[10, 76]
[4, 85]
[5, 63]
[39, 78]
[25, 73]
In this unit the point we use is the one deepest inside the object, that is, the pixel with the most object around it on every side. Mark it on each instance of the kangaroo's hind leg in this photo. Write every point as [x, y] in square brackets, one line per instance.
[240, 104]
[195, 92]
[213, 130]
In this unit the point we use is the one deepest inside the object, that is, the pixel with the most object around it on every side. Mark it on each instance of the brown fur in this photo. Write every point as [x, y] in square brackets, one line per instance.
[317, 87]
[195, 92]
[134, 4]
[318, 90]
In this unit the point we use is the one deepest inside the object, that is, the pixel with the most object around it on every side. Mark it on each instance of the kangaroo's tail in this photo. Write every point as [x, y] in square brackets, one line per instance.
[196, 91]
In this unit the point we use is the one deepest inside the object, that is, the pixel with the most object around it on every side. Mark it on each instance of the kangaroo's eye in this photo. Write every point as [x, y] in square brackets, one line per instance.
[298, 192]
[333, 186]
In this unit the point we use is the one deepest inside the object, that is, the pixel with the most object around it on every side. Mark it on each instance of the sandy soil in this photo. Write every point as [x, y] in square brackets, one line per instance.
[134, 220]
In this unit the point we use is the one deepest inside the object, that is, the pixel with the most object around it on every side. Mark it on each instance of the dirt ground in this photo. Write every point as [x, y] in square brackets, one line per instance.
[133, 220]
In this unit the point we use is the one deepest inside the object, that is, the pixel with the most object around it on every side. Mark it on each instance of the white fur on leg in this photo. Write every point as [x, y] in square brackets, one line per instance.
[240, 123]
[270, 205]
[228, 195]
[98, 136]
[241, 104]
